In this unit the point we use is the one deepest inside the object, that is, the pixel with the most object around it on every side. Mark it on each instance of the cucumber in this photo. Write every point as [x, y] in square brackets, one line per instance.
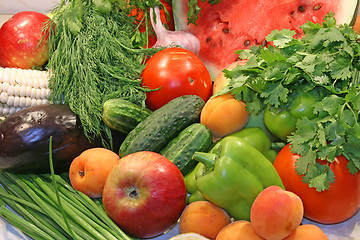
[122, 115]
[163, 125]
[196, 137]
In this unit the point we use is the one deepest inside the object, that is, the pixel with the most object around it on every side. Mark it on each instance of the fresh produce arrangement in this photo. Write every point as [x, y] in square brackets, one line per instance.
[212, 120]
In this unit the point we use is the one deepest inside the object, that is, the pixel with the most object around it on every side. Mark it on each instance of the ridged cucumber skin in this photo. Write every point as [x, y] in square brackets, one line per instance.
[163, 125]
[122, 115]
[196, 137]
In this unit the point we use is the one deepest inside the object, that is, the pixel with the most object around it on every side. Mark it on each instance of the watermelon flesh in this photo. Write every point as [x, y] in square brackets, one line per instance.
[231, 25]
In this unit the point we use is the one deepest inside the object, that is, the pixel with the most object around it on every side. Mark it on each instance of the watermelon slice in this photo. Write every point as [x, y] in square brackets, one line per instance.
[237, 24]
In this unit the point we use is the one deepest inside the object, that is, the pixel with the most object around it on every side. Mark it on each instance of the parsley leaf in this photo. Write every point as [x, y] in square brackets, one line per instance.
[323, 63]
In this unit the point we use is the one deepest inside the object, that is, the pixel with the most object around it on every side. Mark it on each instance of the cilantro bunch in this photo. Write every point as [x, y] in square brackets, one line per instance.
[325, 61]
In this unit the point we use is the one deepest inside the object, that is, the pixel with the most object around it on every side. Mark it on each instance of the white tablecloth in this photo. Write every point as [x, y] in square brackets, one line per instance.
[348, 230]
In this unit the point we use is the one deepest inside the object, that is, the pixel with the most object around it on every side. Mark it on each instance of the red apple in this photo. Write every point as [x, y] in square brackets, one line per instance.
[144, 194]
[22, 44]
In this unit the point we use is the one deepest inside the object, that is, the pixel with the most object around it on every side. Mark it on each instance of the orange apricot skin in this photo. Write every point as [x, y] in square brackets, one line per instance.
[238, 230]
[275, 213]
[224, 115]
[89, 170]
[308, 232]
[203, 217]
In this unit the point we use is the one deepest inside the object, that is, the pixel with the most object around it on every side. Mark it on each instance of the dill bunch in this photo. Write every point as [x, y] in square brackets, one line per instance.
[92, 59]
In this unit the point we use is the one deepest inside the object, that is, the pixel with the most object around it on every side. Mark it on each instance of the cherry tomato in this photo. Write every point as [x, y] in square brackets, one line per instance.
[340, 202]
[177, 72]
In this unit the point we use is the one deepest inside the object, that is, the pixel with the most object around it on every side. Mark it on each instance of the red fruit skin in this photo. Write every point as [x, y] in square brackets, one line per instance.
[337, 204]
[20, 39]
[144, 194]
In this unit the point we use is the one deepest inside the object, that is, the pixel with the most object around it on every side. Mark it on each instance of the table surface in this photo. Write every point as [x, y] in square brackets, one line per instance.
[348, 230]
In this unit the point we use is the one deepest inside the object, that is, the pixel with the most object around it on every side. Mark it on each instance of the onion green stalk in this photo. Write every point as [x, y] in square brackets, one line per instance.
[47, 207]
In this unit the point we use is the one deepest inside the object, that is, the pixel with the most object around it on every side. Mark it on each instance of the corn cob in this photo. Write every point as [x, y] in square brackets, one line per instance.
[21, 88]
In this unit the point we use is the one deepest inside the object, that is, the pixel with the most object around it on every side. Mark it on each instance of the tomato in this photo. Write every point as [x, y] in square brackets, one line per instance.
[167, 19]
[340, 202]
[177, 72]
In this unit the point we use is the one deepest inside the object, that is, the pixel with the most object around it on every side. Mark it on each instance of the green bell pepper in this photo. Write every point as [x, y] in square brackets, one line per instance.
[255, 136]
[193, 194]
[232, 175]
[282, 122]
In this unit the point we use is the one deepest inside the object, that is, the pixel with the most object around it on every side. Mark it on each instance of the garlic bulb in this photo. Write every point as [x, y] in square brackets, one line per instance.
[166, 38]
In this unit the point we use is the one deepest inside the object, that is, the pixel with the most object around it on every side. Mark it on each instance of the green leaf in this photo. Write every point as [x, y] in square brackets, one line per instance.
[194, 11]
[328, 153]
[304, 162]
[322, 180]
[331, 105]
[270, 55]
[340, 69]
[281, 38]
[353, 97]
[275, 94]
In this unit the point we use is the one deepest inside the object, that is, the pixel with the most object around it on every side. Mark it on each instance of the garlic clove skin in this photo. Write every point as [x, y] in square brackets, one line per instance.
[166, 38]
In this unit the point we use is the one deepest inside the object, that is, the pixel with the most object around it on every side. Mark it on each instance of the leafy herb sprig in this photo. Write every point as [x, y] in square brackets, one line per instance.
[93, 58]
[194, 10]
[139, 11]
[325, 60]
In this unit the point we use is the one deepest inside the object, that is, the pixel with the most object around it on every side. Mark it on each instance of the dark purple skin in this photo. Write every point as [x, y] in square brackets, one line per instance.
[25, 137]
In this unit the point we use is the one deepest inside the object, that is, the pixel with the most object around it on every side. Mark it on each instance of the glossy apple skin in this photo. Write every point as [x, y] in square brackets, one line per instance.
[144, 194]
[20, 39]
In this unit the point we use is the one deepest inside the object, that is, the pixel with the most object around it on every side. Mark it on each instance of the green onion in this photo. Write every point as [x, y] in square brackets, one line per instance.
[48, 208]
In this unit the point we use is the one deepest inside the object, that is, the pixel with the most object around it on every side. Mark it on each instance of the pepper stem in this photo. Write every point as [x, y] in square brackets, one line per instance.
[208, 159]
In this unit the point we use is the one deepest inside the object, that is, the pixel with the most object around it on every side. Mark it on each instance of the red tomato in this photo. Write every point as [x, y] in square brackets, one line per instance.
[340, 202]
[178, 72]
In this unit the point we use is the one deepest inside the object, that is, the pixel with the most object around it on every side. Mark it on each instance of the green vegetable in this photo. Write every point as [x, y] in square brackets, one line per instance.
[325, 61]
[232, 175]
[195, 11]
[122, 115]
[141, 9]
[196, 137]
[282, 122]
[92, 59]
[257, 138]
[49, 208]
[163, 125]
[193, 193]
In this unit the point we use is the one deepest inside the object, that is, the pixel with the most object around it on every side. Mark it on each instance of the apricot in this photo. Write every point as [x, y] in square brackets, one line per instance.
[238, 230]
[89, 170]
[221, 80]
[276, 213]
[308, 232]
[204, 218]
[224, 115]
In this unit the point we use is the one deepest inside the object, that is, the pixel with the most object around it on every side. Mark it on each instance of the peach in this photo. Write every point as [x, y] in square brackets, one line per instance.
[275, 213]
[221, 81]
[224, 115]
[203, 217]
[308, 232]
[89, 170]
[238, 230]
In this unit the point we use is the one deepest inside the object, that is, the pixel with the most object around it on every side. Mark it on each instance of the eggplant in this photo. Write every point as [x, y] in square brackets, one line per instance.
[25, 137]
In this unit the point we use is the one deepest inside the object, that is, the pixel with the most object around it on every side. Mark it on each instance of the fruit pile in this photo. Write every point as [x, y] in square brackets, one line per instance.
[275, 214]
[243, 139]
